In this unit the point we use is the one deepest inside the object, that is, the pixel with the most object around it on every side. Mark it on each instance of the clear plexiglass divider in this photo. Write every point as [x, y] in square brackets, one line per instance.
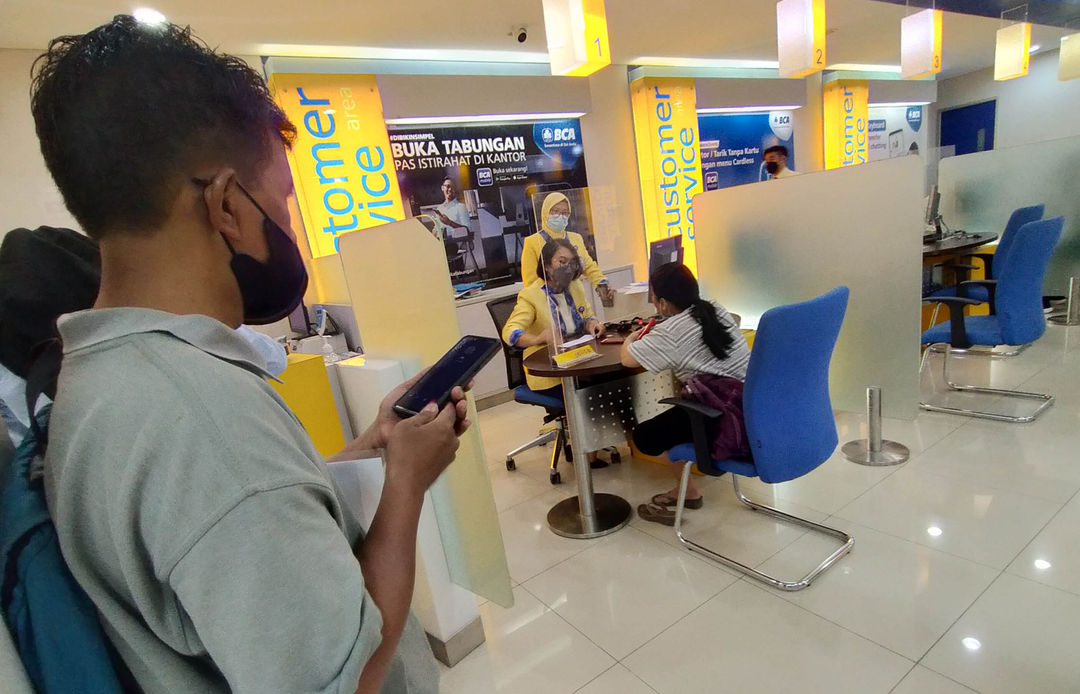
[569, 311]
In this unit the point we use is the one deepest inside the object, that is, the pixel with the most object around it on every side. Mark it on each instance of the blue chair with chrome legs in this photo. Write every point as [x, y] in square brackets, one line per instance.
[555, 410]
[984, 291]
[1019, 318]
[789, 418]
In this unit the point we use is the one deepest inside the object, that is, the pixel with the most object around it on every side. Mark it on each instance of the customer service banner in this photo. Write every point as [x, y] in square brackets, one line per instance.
[845, 120]
[476, 186]
[896, 131]
[340, 162]
[732, 145]
[669, 157]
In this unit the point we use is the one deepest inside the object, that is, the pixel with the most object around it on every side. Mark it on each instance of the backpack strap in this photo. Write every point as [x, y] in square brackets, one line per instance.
[41, 380]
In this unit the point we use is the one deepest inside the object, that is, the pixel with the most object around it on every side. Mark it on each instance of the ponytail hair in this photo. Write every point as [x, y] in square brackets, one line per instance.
[674, 283]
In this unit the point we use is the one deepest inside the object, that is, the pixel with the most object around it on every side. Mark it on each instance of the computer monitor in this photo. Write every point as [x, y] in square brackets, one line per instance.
[298, 320]
[933, 203]
[665, 251]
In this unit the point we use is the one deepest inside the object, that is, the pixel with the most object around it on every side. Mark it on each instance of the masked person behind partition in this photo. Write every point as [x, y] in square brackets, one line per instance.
[554, 301]
[554, 220]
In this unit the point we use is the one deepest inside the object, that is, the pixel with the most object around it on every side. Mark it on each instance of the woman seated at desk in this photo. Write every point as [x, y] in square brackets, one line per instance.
[561, 295]
[702, 344]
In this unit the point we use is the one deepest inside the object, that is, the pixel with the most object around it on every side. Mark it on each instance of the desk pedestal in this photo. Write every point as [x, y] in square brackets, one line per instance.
[600, 416]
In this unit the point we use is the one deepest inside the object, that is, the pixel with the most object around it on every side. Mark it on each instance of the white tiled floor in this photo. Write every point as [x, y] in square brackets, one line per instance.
[988, 601]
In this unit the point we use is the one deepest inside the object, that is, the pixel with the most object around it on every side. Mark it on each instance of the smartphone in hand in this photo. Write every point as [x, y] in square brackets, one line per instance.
[455, 368]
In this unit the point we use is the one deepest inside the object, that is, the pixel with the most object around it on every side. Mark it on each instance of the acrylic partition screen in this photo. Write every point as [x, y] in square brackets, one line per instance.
[399, 286]
[979, 191]
[777, 242]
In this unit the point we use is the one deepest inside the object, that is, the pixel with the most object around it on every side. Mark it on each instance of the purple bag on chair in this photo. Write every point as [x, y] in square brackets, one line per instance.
[727, 432]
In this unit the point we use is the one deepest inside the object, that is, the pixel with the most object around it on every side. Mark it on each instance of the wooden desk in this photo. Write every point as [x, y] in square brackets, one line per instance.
[604, 400]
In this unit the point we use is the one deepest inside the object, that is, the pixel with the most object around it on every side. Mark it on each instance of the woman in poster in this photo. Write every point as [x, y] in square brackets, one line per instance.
[554, 218]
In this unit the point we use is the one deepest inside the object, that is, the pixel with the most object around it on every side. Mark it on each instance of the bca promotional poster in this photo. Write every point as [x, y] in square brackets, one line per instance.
[896, 131]
[476, 188]
[732, 145]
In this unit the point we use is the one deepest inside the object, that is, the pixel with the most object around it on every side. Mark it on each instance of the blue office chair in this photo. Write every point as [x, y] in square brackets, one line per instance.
[500, 310]
[789, 418]
[983, 292]
[1019, 319]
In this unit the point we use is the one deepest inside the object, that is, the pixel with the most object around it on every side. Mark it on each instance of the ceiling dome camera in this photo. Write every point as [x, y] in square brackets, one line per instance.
[522, 34]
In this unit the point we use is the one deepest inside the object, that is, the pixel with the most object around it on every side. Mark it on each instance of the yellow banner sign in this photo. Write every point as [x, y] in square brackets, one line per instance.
[846, 116]
[341, 163]
[669, 158]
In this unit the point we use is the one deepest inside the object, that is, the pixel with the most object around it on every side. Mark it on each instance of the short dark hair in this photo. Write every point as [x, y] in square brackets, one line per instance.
[548, 252]
[124, 112]
[778, 149]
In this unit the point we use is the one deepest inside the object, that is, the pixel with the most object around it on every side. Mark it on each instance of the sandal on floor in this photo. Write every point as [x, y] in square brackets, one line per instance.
[665, 501]
[656, 514]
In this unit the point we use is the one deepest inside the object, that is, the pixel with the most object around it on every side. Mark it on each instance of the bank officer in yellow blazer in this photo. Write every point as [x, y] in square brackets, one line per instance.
[555, 303]
[554, 218]
[562, 296]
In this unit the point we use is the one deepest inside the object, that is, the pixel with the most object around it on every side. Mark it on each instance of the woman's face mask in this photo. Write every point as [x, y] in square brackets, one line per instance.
[558, 222]
[561, 275]
[772, 167]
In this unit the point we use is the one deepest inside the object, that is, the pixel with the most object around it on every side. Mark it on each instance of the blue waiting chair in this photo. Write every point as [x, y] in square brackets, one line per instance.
[789, 418]
[500, 310]
[1019, 318]
[982, 291]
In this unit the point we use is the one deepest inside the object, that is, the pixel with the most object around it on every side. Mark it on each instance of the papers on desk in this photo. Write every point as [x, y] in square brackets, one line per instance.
[468, 289]
[636, 288]
[577, 342]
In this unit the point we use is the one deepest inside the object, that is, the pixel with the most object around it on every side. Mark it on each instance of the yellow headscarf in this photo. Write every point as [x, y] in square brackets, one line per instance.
[550, 201]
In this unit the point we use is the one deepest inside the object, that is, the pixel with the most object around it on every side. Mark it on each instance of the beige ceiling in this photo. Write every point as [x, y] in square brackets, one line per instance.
[861, 31]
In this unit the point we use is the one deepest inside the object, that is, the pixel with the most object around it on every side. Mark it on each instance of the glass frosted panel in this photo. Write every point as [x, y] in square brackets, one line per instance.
[979, 191]
[778, 242]
[399, 287]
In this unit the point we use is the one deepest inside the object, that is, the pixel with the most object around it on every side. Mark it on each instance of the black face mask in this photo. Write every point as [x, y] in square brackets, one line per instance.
[772, 167]
[562, 275]
[271, 289]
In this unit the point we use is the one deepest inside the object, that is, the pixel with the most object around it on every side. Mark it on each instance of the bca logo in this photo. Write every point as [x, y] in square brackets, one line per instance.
[781, 125]
[565, 135]
[914, 117]
[548, 134]
[484, 177]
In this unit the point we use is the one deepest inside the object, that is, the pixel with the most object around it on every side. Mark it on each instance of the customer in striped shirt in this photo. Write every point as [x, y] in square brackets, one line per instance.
[697, 337]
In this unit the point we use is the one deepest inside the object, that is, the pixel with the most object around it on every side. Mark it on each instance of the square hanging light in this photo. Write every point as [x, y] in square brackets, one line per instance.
[577, 36]
[1012, 56]
[1069, 58]
[800, 37]
[920, 44]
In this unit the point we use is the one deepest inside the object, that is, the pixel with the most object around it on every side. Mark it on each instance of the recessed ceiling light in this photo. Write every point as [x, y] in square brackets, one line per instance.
[1034, 47]
[1042, 564]
[735, 63]
[889, 104]
[864, 67]
[147, 15]
[485, 118]
[971, 643]
[747, 109]
[933, 531]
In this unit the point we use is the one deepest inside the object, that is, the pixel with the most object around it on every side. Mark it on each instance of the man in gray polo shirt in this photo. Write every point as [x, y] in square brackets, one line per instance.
[190, 504]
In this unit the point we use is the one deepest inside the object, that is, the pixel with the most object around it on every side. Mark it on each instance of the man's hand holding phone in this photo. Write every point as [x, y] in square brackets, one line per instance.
[421, 447]
[378, 434]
